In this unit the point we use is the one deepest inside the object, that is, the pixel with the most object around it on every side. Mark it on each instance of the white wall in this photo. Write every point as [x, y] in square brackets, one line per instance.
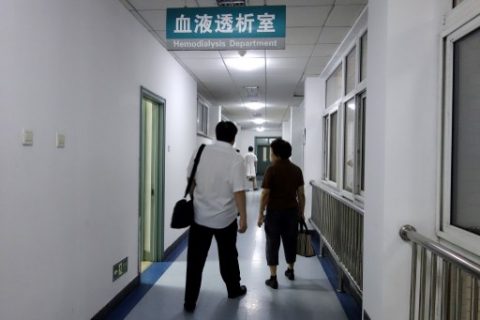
[287, 128]
[298, 135]
[314, 96]
[67, 215]
[401, 145]
[215, 116]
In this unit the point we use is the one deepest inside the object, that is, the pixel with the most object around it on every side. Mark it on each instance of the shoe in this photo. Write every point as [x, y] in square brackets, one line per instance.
[272, 282]
[289, 274]
[189, 307]
[240, 292]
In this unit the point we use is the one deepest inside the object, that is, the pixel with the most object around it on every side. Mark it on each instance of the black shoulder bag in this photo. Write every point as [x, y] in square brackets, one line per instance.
[182, 216]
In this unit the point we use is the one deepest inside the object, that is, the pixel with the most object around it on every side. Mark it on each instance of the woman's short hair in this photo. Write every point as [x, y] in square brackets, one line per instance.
[226, 131]
[281, 148]
[250, 149]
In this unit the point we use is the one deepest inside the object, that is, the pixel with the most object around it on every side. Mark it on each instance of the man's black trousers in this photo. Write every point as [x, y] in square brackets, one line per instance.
[199, 241]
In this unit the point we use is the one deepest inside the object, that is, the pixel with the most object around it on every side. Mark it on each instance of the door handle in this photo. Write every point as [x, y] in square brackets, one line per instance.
[153, 192]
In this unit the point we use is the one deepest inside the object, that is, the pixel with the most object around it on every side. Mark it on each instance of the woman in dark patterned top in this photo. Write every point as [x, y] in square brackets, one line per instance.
[283, 198]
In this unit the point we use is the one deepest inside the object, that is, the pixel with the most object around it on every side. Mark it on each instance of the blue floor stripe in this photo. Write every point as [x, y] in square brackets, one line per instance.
[351, 307]
[147, 279]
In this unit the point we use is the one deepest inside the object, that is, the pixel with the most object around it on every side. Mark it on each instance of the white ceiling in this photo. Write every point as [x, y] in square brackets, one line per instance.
[315, 28]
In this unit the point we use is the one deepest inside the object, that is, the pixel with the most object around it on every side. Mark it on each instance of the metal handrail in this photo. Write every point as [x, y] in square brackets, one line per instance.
[334, 193]
[450, 290]
[340, 227]
[409, 233]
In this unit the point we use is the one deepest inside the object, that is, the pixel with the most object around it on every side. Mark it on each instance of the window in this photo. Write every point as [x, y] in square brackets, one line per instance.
[344, 122]
[333, 147]
[334, 86]
[202, 118]
[461, 171]
[349, 145]
[361, 140]
[466, 149]
[363, 56]
[350, 71]
[330, 140]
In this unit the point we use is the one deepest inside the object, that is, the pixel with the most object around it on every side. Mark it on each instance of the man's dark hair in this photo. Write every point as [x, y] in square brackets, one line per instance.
[226, 131]
[281, 148]
[250, 149]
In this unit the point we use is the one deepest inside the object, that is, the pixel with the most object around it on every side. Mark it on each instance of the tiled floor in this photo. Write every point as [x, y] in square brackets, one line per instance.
[309, 296]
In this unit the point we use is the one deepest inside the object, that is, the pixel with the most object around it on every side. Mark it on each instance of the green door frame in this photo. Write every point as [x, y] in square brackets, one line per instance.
[158, 177]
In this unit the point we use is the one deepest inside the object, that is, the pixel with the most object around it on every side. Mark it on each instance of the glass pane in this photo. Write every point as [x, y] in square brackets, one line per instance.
[363, 57]
[205, 120]
[465, 201]
[326, 129]
[362, 147]
[351, 62]
[334, 86]
[349, 145]
[262, 142]
[333, 147]
[199, 117]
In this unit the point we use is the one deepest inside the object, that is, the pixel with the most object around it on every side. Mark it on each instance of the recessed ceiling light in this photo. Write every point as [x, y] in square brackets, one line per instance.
[260, 129]
[245, 64]
[254, 105]
[259, 121]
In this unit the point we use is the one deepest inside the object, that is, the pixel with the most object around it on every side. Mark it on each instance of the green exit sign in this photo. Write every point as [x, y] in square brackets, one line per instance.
[120, 268]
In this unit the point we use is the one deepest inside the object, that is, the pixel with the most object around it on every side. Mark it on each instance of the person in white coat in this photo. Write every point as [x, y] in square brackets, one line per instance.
[251, 165]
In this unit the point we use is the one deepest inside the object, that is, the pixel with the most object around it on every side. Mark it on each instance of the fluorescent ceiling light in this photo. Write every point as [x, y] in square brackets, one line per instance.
[254, 105]
[260, 129]
[245, 64]
[259, 121]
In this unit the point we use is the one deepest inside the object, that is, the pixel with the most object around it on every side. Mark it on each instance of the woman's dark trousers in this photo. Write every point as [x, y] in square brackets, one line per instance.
[281, 224]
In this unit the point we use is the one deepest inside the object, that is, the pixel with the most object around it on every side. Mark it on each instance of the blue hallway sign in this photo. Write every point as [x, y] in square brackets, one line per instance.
[226, 28]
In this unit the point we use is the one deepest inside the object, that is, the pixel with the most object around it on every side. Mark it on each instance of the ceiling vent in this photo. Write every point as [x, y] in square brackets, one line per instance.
[232, 3]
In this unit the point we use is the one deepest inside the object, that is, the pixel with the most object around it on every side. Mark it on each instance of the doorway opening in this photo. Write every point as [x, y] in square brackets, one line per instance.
[152, 179]
[262, 150]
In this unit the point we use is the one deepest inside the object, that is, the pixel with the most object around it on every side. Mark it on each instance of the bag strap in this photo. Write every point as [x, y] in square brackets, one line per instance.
[194, 169]
[303, 225]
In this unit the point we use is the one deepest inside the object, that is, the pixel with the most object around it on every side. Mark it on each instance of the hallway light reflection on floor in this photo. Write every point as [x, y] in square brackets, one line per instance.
[259, 246]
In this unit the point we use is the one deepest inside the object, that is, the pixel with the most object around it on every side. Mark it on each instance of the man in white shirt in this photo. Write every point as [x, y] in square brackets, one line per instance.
[251, 165]
[218, 198]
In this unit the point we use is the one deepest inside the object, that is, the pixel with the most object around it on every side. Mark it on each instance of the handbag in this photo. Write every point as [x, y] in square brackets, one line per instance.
[182, 215]
[304, 240]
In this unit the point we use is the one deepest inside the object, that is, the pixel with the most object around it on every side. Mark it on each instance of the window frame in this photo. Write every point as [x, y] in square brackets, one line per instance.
[360, 143]
[203, 115]
[445, 230]
[347, 192]
[340, 65]
[356, 74]
[357, 93]
[361, 46]
[327, 118]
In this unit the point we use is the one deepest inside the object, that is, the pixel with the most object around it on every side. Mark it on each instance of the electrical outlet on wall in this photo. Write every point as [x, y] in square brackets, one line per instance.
[120, 268]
